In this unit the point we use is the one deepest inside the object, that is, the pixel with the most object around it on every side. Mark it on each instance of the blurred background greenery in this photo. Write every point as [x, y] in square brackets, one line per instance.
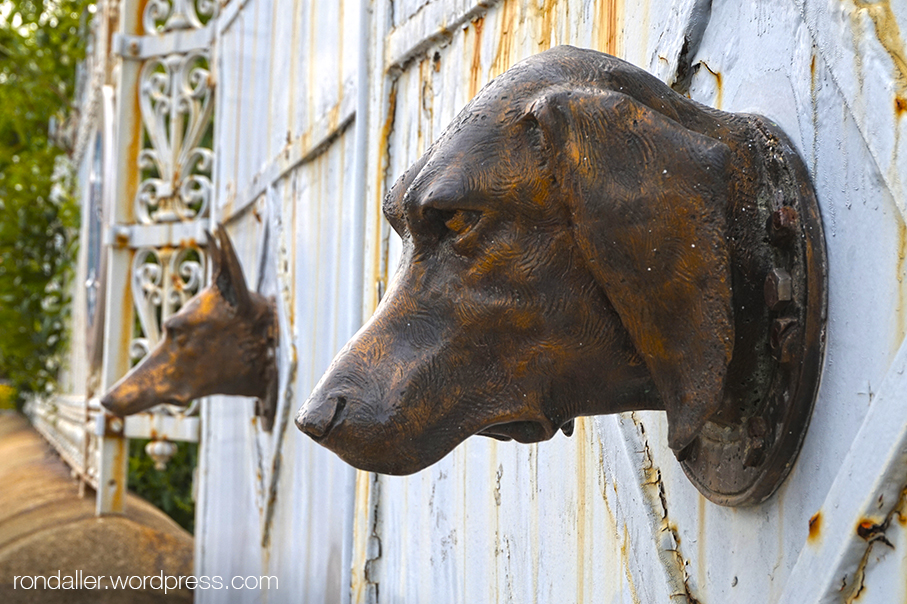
[40, 46]
[41, 43]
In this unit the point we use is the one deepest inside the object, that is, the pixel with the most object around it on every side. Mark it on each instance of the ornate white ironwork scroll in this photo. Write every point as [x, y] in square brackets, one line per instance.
[176, 100]
[162, 16]
[163, 280]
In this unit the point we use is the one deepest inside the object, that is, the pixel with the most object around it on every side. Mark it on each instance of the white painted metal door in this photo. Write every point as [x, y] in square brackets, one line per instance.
[321, 105]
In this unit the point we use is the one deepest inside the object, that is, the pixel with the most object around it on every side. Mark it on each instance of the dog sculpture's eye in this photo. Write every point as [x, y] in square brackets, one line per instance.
[461, 221]
[177, 332]
[454, 225]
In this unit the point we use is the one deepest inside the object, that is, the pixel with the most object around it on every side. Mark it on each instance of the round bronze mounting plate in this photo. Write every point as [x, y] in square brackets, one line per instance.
[743, 455]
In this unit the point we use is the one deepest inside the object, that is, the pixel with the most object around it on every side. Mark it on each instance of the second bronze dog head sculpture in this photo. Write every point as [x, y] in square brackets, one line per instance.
[570, 244]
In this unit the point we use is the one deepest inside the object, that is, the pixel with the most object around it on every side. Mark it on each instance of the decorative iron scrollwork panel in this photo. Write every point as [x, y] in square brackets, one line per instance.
[163, 280]
[176, 100]
[162, 16]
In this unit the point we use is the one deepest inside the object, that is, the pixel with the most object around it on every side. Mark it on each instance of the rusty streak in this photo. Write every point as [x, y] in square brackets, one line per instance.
[815, 527]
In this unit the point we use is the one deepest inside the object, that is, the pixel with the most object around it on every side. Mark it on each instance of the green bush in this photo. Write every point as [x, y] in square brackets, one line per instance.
[40, 46]
[169, 489]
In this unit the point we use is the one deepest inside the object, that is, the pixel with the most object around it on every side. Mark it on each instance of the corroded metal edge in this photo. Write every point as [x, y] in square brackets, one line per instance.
[744, 455]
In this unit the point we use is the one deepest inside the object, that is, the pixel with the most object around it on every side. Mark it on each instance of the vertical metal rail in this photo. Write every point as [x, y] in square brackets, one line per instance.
[119, 317]
[377, 106]
[358, 275]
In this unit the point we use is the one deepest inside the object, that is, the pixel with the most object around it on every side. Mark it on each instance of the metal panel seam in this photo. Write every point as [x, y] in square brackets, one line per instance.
[858, 497]
[411, 38]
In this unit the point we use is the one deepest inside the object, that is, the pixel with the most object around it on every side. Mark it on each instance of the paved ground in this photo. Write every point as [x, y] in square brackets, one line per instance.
[45, 527]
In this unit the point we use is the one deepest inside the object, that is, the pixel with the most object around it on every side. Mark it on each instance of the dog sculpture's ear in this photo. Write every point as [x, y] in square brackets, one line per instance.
[647, 198]
[226, 270]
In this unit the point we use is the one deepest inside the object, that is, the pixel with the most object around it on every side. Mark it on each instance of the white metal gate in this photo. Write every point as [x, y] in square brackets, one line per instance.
[318, 107]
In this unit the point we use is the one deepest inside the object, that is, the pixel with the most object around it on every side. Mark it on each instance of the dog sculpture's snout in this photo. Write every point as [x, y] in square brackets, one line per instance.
[111, 404]
[318, 414]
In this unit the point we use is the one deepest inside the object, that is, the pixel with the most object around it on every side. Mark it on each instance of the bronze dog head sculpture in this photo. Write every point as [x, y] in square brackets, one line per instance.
[577, 242]
[221, 342]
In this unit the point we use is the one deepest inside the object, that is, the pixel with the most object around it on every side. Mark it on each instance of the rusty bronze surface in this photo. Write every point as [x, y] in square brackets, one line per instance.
[582, 240]
[222, 341]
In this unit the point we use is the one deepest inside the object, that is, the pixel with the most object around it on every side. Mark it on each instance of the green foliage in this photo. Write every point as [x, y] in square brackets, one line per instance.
[40, 46]
[169, 489]
[7, 397]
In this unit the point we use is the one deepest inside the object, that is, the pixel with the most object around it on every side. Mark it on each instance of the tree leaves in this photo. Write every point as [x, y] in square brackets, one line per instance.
[40, 46]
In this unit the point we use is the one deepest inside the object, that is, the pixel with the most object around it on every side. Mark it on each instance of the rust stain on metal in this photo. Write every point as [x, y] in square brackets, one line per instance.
[625, 563]
[872, 530]
[901, 310]
[608, 15]
[132, 177]
[546, 17]
[869, 529]
[140, 23]
[427, 95]
[119, 489]
[127, 318]
[381, 177]
[719, 86]
[702, 565]
[889, 36]
[900, 106]
[367, 544]
[334, 116]
[475, 64]
[509, 20]
[653, 489]
[815, 527]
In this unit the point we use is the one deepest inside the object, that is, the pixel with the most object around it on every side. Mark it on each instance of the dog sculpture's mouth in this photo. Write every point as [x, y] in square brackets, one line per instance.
[520, 431]
[319, 421]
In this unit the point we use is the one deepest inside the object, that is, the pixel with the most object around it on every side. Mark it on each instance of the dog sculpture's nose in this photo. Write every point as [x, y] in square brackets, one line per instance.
[111, 404]
[317, 416]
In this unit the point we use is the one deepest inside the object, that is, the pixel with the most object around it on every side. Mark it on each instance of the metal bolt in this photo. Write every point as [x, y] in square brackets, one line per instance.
[778, 332]
[134, 48]
[121, 235]
[116, 425]
[784, 219]
[777, 288]
[755, 453]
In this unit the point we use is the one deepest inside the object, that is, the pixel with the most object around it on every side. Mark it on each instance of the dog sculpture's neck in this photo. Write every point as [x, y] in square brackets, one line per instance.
[778, 279]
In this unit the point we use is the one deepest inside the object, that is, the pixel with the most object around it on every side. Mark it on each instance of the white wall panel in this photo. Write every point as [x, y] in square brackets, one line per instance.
[285, 153]
[604, 516]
